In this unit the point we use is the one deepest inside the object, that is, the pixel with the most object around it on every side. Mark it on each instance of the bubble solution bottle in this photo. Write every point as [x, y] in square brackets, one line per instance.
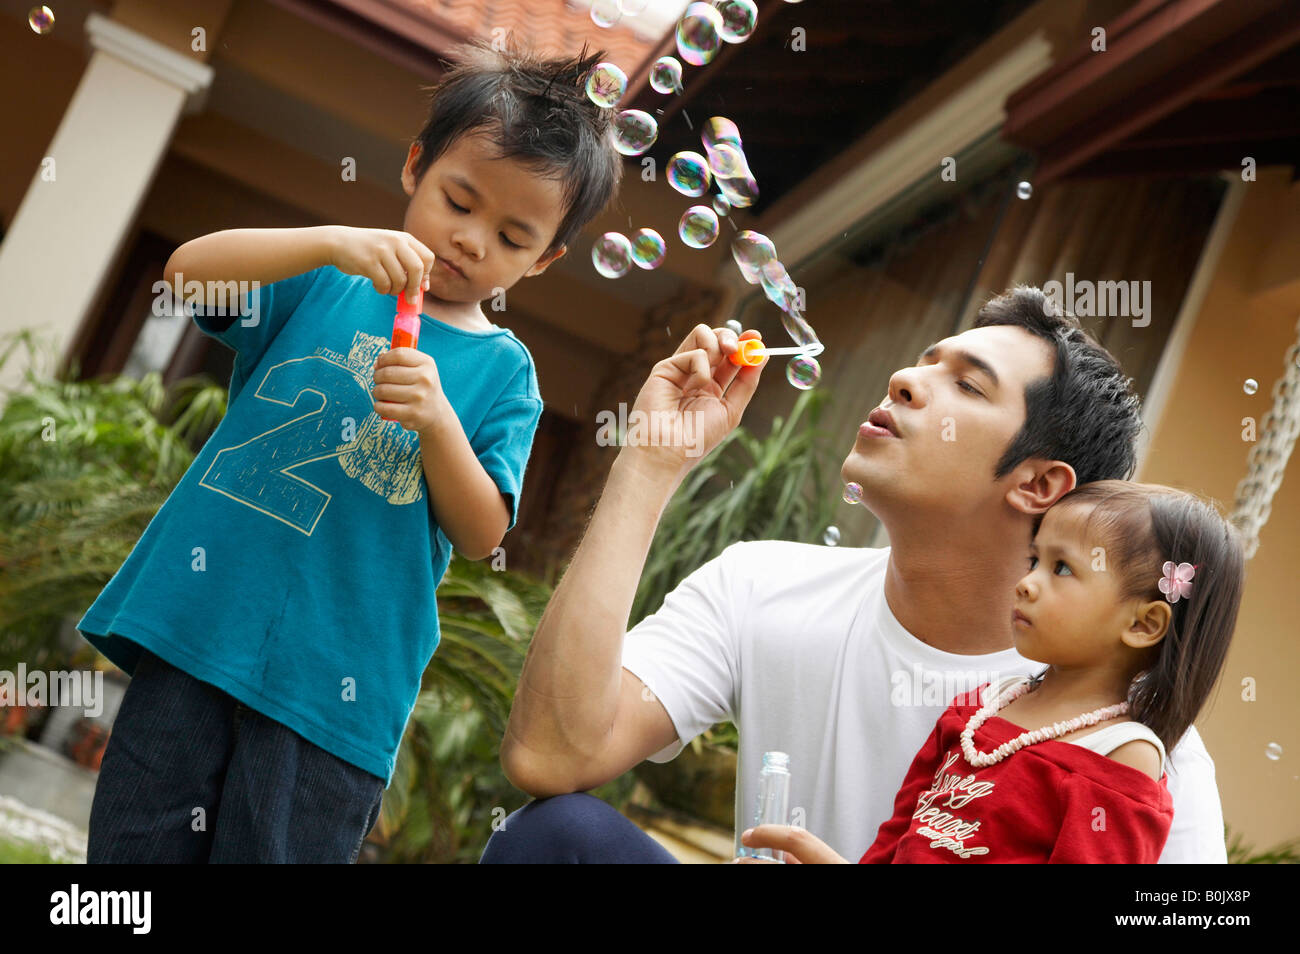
[773, 804]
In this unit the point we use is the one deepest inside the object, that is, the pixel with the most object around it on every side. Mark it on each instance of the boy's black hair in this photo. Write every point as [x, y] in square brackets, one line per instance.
[1143, 527]
[535, 110]
[1086, 412]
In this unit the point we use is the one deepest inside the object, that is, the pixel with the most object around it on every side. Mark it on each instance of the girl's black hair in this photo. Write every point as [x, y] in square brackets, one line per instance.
[535, 110]
[1145, 525]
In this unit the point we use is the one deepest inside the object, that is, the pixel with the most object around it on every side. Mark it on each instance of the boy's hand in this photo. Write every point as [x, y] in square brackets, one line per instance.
[408, 390]
[393, 261]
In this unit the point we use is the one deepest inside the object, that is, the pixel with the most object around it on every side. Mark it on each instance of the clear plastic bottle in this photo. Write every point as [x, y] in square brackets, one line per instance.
[773, 804]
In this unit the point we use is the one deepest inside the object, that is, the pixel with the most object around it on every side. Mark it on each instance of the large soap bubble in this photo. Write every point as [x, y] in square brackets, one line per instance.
[605, 13]
[666, 75]
[699, 34]
[612, 255]
[606, 84]
[752, 250]
[635, 131]
[688, 173]
[803, 372]
[738, 20]
[698, 227]
[648, 248]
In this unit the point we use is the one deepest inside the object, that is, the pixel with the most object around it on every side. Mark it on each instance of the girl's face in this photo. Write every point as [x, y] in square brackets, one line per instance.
[1068, 606]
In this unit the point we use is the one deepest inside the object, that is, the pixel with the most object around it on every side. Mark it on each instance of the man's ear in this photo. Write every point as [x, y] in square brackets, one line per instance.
[543, 262]
[1039, 484]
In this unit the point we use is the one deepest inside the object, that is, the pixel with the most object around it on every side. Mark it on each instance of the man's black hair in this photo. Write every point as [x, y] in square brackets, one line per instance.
[1086, 412]
[537, 111]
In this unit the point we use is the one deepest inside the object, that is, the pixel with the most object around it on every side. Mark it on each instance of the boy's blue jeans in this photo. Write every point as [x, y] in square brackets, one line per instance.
[191, 775]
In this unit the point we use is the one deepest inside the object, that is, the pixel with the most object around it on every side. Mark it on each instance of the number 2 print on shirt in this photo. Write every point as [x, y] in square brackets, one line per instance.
[326, 390]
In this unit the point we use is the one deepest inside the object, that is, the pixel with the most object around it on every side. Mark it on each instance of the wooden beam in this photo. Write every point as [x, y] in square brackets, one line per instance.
[1175, 89]
[1143, 45]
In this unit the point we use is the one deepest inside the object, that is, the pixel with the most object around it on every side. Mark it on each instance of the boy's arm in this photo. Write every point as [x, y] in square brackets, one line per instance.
[262, 255]
[466, 501]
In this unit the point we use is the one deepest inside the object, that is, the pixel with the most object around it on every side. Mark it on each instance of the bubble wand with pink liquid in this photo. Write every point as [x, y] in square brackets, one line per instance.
[406, 324]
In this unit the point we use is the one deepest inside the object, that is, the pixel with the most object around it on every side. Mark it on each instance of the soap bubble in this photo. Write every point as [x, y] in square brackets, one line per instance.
[782, 291]
[631, 8]
[605, 13]
[612, 255]
[688, 173]
[1273, 751]
[666, 75]
[699, 34]
[648, 248]
[606, 84]
[779, 286]
[803, 372]
[853, 492]
[752, 250]
[734, 325]
[721, 205]
[1251, 386]
[1024, 190]
[41, 20]
[635, 131]
[831, 537]
[698, 227]
[740, 192]
[719, 129]
[727, 162]
[738, 19]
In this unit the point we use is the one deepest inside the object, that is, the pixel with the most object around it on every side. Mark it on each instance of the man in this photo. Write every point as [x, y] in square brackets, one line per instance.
[842, 658]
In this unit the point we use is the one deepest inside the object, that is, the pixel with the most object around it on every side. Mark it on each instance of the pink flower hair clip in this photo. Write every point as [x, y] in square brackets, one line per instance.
[1177, 581]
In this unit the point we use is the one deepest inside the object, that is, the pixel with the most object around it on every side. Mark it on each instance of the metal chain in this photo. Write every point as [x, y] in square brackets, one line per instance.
[1268, 458]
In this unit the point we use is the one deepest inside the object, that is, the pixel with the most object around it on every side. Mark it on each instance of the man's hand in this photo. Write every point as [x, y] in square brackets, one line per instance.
[800, 846]
[408, 390]
[697, 395]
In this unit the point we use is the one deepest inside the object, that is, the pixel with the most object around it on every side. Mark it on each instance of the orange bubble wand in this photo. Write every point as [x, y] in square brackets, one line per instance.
[752, 351]
[406, 324]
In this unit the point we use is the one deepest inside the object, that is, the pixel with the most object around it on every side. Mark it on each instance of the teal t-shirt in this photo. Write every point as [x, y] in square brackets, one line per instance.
[294, 565]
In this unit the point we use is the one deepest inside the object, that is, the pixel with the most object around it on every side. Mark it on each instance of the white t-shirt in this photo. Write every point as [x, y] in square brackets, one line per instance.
[796, 644]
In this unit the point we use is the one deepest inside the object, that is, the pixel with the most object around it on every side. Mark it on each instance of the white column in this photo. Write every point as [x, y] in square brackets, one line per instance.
[85, 195]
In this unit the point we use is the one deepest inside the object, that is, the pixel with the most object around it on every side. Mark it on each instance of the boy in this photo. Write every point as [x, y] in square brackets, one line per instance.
[279, 611]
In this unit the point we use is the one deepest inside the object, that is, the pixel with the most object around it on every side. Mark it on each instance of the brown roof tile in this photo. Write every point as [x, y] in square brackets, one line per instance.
[551, 27]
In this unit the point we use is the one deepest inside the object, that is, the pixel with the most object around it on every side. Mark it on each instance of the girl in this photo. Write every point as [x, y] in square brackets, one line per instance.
[1131, 599]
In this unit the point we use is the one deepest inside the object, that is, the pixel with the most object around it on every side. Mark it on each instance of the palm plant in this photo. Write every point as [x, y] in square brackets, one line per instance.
[84, 466]
[1241, 853]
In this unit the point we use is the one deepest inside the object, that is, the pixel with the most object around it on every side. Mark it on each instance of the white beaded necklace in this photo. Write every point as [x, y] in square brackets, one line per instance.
[981, 759]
